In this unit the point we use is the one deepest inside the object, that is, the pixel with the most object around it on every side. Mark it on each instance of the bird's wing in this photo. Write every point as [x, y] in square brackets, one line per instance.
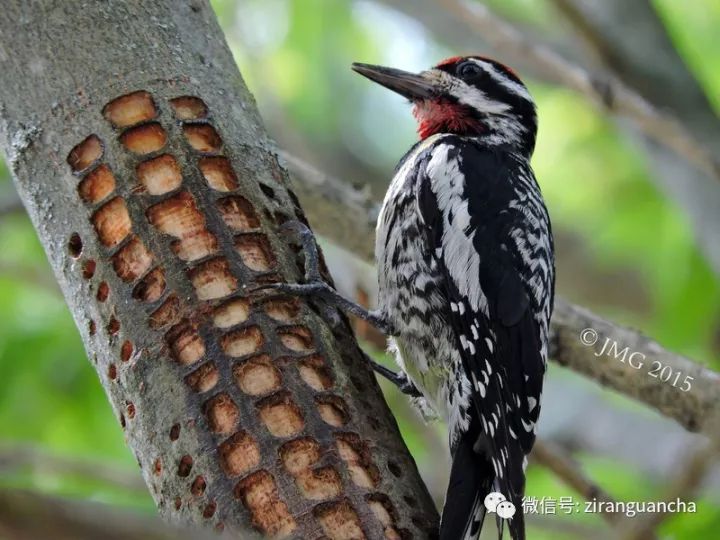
[481, 242]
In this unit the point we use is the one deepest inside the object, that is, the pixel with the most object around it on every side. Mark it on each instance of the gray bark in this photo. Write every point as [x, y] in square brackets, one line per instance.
[262, 413]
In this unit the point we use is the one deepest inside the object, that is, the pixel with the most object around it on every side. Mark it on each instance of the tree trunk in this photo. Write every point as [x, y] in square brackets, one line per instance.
[140, 156]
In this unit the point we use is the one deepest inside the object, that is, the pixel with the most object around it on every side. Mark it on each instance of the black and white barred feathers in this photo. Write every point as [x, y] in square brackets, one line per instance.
[466, 273]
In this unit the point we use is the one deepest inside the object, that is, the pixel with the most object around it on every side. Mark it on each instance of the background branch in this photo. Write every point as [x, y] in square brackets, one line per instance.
[14, 458]
[29, 516]
[689, 478]
[557, 460]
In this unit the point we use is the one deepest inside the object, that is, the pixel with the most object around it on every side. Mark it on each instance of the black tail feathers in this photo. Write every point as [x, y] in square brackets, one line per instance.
[471, 478]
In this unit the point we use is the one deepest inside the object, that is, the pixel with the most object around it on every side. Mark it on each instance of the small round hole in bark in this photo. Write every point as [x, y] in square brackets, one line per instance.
[85, 154]
[209, 510]
[175, 432]
[92, 327]
[185, 466]
[88, 268]
[112, 372]
[410, 501]
[126, 351]
[130, 408]
[394, 468]
[198, 486]
[75, 245]
[268, 191]
[103, 291]
[113, 326]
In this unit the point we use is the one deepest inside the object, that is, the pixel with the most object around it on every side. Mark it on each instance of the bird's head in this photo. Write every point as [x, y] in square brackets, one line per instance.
[469, 95]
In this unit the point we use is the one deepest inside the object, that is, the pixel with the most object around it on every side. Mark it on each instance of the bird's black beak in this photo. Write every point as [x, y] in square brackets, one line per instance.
[409, 85]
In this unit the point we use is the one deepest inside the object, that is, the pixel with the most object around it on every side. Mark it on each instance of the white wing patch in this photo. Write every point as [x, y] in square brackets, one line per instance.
[461, 258]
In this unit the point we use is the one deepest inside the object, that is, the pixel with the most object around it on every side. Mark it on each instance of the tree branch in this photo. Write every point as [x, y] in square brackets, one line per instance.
[27, 516]
[14, 458]
[689, 408]
[634, 366]
[554, 458]
[647, 60]
[607, 92]
[142, 161]
[687, 481]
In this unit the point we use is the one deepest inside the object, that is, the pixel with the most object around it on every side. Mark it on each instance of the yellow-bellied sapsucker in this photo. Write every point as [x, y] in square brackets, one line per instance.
[466, 273]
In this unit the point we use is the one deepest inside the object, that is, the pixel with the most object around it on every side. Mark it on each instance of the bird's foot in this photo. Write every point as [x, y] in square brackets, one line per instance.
[315, 286]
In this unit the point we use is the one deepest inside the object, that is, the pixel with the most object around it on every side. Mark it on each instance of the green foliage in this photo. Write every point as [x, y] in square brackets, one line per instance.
[295, 57]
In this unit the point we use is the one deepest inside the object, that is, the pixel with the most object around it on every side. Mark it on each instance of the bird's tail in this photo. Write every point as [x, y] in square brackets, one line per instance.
[471, 478]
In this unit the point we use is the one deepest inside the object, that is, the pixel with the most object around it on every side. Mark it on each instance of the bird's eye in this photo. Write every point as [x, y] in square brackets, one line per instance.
[468, 70]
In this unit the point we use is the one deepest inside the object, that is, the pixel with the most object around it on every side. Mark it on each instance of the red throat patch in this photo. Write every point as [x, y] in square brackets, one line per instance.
[442, 116]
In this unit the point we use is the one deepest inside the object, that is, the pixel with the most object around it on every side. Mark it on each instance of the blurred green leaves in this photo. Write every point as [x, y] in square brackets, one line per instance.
[295, 56]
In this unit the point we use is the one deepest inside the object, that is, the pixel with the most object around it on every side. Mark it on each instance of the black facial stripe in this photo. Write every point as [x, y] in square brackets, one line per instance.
[502, 68]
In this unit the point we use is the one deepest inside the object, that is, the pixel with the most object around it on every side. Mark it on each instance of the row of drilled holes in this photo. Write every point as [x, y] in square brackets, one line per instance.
[213, 280]
[112, 223]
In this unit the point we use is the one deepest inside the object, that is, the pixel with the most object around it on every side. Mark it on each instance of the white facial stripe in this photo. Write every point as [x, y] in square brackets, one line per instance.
[502, 79]
[477, 99]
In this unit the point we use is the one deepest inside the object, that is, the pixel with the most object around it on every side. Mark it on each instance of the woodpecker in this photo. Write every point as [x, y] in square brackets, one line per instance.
[466, 276]
[465, 260]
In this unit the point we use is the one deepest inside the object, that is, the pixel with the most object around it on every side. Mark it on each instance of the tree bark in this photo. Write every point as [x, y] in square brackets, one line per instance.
[140, 156]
